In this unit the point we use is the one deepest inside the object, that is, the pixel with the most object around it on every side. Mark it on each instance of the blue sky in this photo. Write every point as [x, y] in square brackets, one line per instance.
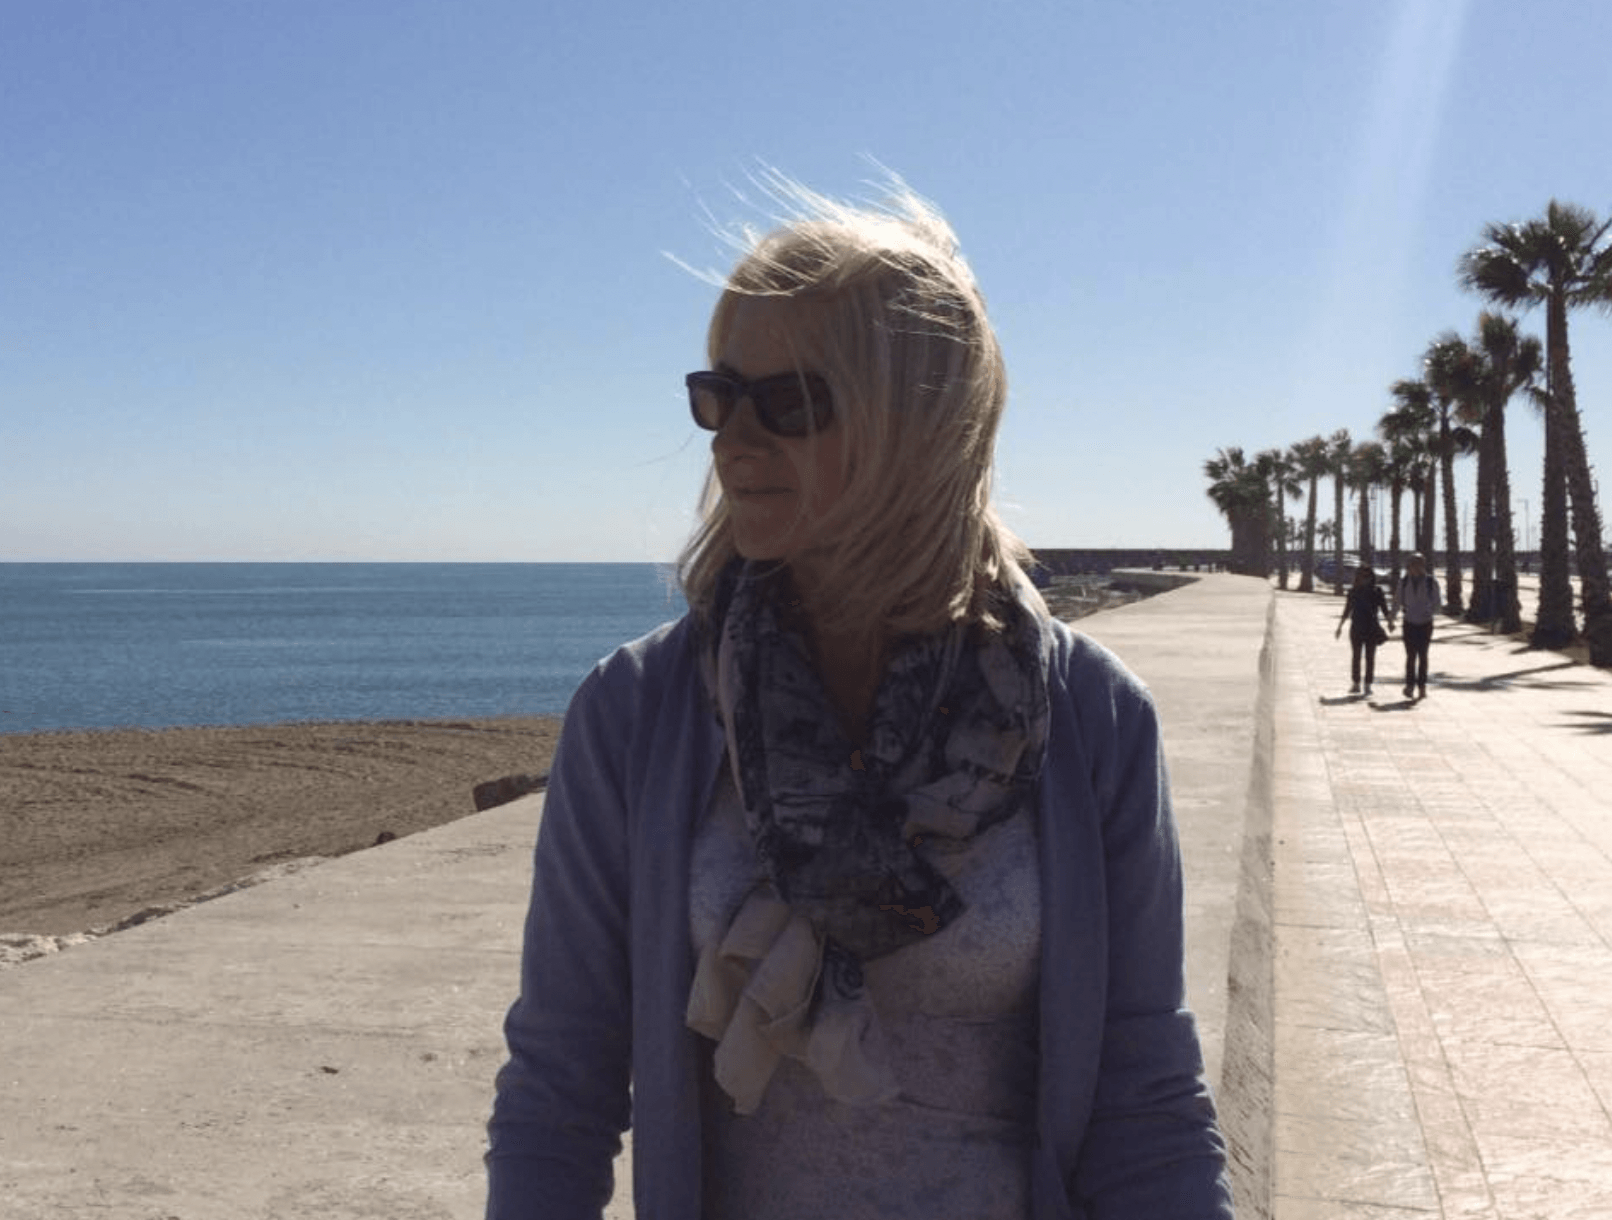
[386, 280]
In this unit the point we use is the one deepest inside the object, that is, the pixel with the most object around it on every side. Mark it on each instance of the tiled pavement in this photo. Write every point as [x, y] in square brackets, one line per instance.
[1443, 901]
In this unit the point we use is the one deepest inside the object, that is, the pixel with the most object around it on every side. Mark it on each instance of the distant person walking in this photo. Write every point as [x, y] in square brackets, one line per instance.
[1416, 603]
[1364, 603]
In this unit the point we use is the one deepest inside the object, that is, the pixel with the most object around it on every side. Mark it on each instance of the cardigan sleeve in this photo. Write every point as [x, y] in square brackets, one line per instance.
[1151, 1146]
[562, 1098]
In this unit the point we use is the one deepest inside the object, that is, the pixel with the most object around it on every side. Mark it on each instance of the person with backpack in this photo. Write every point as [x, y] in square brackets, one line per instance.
[1417, 603]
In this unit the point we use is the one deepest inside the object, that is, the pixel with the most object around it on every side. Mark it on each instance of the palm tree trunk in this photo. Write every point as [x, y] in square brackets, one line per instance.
[1307, 577]
[1337, 533]
[1416, 518]
[1507, 607]
[1281, 536]
[1364, 548]
[1594, 591]
[1452, 524]
[1429, 514]
[1396, 489]
[1554, 626]
[1481, 608]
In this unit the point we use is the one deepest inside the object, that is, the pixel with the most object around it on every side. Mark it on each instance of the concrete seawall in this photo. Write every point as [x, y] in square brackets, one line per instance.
[1248, 1077]
[1207, 651]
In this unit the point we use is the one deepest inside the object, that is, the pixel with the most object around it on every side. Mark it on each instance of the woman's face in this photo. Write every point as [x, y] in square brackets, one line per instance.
[777, 487]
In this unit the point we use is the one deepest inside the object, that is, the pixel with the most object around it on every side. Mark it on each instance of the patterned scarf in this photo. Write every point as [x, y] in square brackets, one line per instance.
[955, 741]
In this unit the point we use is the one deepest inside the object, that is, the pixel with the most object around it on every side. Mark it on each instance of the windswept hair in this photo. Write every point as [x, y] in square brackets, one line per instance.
[898, 329]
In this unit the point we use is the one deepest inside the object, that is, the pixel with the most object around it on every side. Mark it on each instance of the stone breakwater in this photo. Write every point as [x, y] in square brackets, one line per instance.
[1063, 561]
[1073, 597]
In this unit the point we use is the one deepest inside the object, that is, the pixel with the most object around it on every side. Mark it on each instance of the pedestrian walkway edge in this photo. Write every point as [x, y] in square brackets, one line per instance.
[1247, 1081]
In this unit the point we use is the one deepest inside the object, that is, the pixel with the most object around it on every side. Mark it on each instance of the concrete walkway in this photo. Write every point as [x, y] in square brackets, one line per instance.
[1443, 904]
[319, 1046]
[324, 1045]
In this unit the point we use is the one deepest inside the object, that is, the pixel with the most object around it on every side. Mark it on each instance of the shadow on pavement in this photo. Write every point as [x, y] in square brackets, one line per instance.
[1490, 682]
[1594, 722]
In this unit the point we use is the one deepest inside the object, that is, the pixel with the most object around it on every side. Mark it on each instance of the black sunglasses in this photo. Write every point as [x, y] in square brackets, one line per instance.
[787, 404]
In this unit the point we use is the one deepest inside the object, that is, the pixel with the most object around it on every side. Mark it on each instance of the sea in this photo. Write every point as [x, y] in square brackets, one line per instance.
[159, 645]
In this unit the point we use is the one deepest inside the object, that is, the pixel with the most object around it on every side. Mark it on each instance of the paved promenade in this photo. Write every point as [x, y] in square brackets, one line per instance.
[1443, 904]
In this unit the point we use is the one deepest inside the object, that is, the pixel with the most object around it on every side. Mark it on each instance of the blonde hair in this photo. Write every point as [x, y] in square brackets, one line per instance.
[900, 333]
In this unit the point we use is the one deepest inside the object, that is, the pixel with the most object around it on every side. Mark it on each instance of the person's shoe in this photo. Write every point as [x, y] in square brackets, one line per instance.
[1354, 688]
[1421, 693]
[1368, 688]
[1410, 692]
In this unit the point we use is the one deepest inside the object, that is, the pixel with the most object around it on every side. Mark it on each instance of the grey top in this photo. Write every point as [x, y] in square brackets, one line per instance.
[1418, 598]
[958, 1012]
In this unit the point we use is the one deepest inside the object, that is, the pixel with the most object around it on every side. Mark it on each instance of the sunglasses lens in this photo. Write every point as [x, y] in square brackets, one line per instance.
[710, 399]
[784, 407]
[787, 405]
[793, 405]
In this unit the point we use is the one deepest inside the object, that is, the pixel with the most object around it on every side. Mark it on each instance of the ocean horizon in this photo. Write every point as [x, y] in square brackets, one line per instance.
[166, 645]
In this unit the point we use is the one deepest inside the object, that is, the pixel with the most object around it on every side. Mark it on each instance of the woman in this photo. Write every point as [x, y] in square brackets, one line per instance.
[863, 874]
[1361, 608]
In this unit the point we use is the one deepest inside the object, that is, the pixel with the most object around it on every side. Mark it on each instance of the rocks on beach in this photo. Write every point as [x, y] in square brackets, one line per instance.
[1073, 597]
[497, 792]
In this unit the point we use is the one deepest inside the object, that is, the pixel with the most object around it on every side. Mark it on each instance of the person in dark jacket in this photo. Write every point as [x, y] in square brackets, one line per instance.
[1364, 603]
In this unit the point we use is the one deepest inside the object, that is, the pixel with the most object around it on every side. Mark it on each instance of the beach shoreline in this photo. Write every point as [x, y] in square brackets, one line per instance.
[99, 828]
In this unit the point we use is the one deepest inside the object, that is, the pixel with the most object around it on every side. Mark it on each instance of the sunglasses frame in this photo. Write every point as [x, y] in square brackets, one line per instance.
[729, 388]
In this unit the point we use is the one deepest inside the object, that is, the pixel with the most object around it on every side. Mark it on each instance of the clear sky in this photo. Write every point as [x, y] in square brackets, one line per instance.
[388, 280]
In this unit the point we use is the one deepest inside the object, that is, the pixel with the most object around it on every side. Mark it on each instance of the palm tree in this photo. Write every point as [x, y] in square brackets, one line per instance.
[1407, 430]
[1400, 457]
[1563, 261]
[1239, 490]
[1459, 376]
[1447, 366]
[1282, 478]
[1415, 417]
[1367, 467]
[1339, 447]
[1326, 531]
[1504, 363]
[1310, 458]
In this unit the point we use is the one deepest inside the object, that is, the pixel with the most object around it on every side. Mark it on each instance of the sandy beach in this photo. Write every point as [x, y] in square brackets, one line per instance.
[97, 828]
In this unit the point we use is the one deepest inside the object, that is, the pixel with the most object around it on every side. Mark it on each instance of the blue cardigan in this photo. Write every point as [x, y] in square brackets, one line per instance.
[1127, 1126]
